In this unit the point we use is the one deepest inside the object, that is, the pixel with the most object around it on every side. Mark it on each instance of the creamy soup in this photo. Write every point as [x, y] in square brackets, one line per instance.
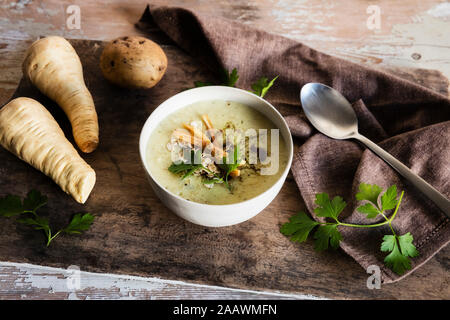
[212, 185]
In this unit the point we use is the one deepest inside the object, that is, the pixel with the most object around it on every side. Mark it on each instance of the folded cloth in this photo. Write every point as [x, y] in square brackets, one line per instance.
[408, 120]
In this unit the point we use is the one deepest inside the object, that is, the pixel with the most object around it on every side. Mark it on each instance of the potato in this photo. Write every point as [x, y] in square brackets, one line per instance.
[133, 62]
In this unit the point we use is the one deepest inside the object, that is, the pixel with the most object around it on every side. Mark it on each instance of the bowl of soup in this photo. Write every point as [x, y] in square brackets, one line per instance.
[216, 156]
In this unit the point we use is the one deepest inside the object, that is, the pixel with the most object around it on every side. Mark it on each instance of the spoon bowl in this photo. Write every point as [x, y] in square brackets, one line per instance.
[328, 111]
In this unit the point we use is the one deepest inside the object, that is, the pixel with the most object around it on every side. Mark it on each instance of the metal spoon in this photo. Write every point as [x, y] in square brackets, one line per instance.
[330, 113]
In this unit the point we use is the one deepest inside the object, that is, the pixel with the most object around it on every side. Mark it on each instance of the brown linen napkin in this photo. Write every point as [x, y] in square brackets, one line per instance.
[408, 120]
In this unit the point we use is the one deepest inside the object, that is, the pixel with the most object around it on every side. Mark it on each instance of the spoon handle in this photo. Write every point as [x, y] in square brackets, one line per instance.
[438, 198]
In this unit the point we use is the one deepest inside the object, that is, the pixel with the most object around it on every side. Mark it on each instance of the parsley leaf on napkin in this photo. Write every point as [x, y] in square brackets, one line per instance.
[400, 248]
[371, 192]
[327, 208]
[389, 198]
[230, 79]
[261, 86]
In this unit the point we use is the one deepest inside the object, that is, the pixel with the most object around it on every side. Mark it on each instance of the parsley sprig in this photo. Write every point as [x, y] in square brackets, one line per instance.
[260, 87]
[327, 234]
[26, 211]
[229, 166]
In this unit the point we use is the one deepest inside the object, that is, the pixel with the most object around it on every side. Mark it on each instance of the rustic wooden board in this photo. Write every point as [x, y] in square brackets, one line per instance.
[135, 234]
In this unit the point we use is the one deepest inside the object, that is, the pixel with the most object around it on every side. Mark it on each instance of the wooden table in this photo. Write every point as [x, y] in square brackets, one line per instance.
[412, 40]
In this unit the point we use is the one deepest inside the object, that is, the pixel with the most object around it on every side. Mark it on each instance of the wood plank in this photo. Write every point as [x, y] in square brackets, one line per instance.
[135, 234]
[412, 37]
[24, 281]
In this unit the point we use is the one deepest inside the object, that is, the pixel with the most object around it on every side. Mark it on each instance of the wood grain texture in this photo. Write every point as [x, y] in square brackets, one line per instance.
[411, 35]
[32, 282]
[135, 234]
[411, 42]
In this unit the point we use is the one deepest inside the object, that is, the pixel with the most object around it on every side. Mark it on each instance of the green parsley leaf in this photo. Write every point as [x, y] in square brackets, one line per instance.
[298, 227]
[188, 168]
[229, 166]
[327, 234]
[37, 222]
[388, 244]
[227, 79]
[406, 246]
[191, 171]
[198, 84]
[261, 86]
[369, 209]
[400, 248]
[369, 192]
[79, 223]
[10, 206]
[211, 181]
[230, 79]
[180, 167]
[327, 208]
[195, 165]
[389, 198]
[34, 200]
[235, 162]
[395, 259]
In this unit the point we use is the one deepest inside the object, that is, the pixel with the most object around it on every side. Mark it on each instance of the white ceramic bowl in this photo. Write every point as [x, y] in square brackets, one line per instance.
[206, 214]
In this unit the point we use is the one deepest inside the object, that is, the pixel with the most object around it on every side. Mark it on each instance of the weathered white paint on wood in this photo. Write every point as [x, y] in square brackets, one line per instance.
[26, 281]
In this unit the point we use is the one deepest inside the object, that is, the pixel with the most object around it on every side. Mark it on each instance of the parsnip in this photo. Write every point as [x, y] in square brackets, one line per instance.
[55, 69]
[30, 132]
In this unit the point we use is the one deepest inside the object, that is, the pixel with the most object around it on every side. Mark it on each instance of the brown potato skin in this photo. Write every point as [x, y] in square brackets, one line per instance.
[133, 62]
